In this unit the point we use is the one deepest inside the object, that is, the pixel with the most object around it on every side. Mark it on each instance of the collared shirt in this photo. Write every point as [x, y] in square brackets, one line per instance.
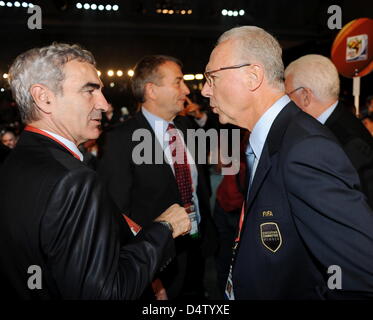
[260, 132]
[68, 144]
[159, 127]
[326, 114]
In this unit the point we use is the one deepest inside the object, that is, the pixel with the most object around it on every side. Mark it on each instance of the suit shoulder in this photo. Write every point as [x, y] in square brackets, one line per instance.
[125, 129]
[348, 127]
[304, 126]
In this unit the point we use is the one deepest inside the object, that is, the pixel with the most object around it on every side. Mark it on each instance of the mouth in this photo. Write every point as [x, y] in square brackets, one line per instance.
[98, 120]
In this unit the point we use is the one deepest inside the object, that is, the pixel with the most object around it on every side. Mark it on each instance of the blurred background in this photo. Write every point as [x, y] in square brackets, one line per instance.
[120, 32]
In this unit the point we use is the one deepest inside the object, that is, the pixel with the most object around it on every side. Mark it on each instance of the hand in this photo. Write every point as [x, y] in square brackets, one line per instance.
[178, 218]
[192, 109]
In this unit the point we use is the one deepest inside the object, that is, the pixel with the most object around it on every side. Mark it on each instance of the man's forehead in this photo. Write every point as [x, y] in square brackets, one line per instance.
[170, 69]
[221, 56]
[79, 71]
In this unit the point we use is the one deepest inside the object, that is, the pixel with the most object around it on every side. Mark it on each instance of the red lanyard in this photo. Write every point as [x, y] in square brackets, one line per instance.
[240, 222]
[36, 130]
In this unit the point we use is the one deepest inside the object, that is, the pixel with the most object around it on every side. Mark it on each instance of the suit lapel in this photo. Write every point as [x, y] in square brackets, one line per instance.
[271, 146]
[261, 171]
[167, 170]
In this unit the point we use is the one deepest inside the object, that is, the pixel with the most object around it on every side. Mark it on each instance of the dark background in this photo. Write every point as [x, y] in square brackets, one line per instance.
[118, 39]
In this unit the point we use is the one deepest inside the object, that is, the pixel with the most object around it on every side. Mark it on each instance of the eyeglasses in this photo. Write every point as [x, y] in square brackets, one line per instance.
[291, 92]
[209, 78]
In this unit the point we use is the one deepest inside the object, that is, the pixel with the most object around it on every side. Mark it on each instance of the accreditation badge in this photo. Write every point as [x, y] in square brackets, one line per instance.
[271, 236]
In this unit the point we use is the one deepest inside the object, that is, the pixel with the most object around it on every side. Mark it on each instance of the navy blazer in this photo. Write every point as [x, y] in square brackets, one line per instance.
[304, 214]
[357, 142]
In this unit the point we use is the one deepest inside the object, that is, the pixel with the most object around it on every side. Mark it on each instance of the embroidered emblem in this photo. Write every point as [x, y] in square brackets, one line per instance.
[271, 236]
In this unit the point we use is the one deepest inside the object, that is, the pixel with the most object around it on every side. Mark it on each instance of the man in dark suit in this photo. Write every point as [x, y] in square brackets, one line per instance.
[141, 188]
[312, 82]
[60, 238]
[305, 230]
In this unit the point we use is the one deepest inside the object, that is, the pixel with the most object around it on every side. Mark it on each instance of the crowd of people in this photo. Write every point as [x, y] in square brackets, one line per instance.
[119, 207]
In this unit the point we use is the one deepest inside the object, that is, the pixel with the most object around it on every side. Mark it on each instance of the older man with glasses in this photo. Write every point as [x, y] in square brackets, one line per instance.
[304, 214]
[313, 82]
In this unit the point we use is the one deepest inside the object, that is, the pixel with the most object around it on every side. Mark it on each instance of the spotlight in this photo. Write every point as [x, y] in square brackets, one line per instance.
[79, 5]
[130, 72]
[110, 73]
[119, 73]
[108, 7]
[99, 73]
[112, 84]
[224, 12]
[171, 12]
[190, 11]
[93, 6]
[5, 75]
[24, 4]
[183, 11]
[17, 4]
[242, 12]
[235, 13]
[199, 76]
[9, 4]
[2, 3]
[230, 13]
[86, 6]
[159, 10]
[2, 90]
[30, 5]
[101, 7]
[164, 11]
[188, 77]
[115, 7]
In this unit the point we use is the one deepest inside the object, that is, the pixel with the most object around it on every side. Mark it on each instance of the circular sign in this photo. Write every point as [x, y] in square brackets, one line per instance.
[352, 49]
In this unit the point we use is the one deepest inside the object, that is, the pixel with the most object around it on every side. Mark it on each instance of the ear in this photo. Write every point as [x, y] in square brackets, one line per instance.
[255, 76]
[42, 97]
[150, 91]
[306, 97]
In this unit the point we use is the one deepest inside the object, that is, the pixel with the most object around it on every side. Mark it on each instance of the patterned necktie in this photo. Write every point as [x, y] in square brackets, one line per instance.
[181, 166]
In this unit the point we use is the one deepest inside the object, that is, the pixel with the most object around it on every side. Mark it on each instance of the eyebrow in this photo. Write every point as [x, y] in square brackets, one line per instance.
[90, 85]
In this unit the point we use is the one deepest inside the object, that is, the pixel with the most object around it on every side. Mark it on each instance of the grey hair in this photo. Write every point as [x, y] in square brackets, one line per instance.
[257, 45]
[42, 66]
[317, 73]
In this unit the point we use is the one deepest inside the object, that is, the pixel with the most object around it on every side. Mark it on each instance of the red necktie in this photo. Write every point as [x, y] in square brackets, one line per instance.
[181, 166]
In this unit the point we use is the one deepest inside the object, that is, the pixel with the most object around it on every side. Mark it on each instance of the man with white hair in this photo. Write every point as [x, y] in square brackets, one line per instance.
[303, 216]
[60, 237]
[312, 82]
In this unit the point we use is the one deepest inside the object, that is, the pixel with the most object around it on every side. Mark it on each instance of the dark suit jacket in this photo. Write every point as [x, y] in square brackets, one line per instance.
[54, 214]
[304, 214]
[143, 191]
[357, 142]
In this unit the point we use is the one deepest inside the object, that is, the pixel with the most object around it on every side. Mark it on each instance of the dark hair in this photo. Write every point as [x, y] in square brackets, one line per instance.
[146, 71]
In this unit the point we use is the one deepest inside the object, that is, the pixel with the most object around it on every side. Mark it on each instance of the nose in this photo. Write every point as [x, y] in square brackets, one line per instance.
[206, 90]
[101, 103]
[186, 89]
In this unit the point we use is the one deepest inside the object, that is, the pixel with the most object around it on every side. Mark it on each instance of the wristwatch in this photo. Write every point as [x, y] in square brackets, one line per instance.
[168, 225]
